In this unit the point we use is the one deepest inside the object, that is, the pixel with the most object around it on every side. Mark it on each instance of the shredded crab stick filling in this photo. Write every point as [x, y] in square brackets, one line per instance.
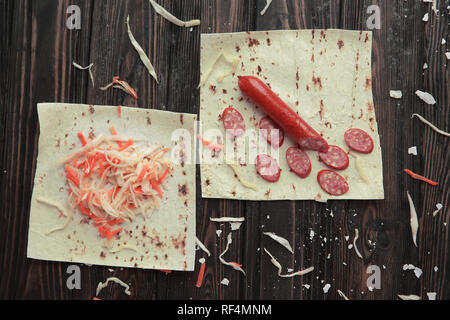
[112, 181]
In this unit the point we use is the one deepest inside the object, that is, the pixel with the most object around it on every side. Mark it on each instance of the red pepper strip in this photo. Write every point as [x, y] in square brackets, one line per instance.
[94, 160]
[138, 190]
[88, 213]
[201, 275]
[99, 223]
[143, 172]
[126, 145]
[88, 196]
[116, 221]
[81, 164]
[97, 201]
[82, 138]
[159, 152]
[166, 271]
[119, 111]
[100, 156]
[164, 175]
[111, 234]
[102, 168]
[112, 193]
[72, 176]
[116, 191]
[126, 86]
[103, 231]
[419, 177]
[114, 133]
[156, 187]
[91, 163]
[84, 210]
[106, 232]
[236, 264]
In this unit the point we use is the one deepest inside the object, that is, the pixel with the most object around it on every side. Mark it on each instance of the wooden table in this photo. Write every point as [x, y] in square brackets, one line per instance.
[37, 51]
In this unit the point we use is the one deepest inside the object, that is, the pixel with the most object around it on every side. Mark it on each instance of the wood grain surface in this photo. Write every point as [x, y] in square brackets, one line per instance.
[37, 51]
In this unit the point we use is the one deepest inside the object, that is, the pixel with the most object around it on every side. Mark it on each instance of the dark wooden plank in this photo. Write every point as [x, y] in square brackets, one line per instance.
[397, 64]
[434, 233]
[33, 39]
[113, 55]
[219, 17]
[296, 220]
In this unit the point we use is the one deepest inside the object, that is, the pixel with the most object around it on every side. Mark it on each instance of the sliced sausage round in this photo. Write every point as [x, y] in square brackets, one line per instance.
[359, 141]
[335, 158]
[332, 183]
[233, 121]
[268, 168]
[272, 132]
[298, 161]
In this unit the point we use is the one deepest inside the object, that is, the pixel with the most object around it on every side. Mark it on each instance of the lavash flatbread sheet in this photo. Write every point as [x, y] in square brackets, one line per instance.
[324, 75]
[165, 240]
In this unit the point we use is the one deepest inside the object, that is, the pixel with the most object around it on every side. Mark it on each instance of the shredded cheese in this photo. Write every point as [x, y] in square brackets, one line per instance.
[343, 296]
[235, 226]
[354, 243]
[426, 97]
[413, 219]
[122, 85]
[396, 94]
[202, 246]
[123, 247]
[89, 67]
[431, 295]
[102, 285]
[361, 172]
[170, 17]
[112, 181]
[231, 264]
[240, 179]
[439, 207]
[280, 240]
[227, 219]
[409, 297]
[60, 209]
[232, 61]
[432, 126]
[263, 11]
[280, 268]
[145, 60]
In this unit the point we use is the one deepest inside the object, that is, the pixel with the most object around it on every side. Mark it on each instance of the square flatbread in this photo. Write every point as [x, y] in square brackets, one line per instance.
[164, 240]
[323, 75]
